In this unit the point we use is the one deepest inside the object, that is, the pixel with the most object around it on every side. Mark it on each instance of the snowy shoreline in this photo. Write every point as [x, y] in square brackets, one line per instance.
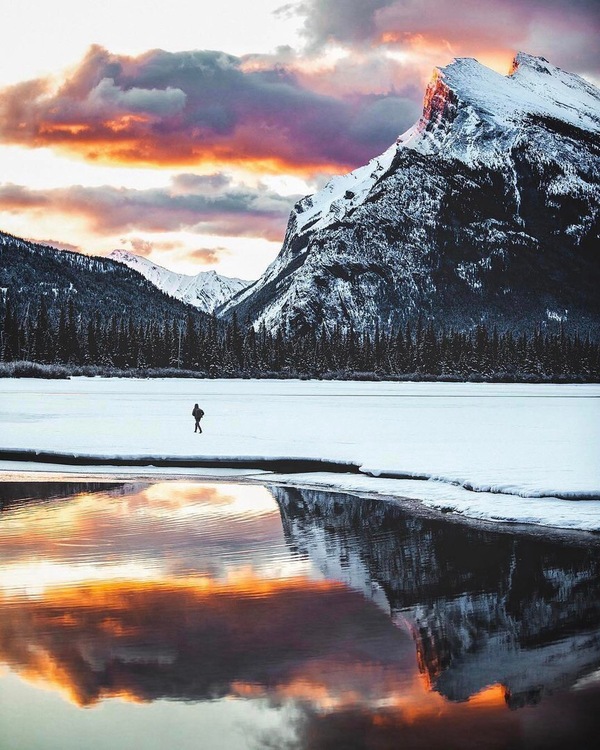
[504, 453]
[287, 465]
[432, 503]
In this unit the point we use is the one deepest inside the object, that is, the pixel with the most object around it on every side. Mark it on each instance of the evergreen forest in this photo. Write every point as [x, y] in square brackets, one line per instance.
[62, 342]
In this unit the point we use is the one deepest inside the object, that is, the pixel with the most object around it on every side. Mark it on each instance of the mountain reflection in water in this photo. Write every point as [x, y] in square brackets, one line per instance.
[348, 621]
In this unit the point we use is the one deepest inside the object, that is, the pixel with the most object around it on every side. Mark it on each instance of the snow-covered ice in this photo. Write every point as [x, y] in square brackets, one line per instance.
[526, 453]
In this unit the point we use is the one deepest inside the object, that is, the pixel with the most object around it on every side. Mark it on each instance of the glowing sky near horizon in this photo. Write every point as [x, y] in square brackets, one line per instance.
[185, 131]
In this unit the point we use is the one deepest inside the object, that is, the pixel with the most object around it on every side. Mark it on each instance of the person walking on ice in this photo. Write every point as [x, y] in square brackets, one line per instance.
[197, 413]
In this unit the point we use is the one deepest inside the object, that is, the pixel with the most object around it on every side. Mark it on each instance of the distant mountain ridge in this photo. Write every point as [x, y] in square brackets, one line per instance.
[94, 286]
[59, 307]
[206, 290]
[485, 211]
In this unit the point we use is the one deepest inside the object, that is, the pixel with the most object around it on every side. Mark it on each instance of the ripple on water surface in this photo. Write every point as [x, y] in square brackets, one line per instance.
[266, 616]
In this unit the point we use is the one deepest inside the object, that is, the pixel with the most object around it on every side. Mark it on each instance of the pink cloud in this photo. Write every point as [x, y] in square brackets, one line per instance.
[229, 210]
[198, 107]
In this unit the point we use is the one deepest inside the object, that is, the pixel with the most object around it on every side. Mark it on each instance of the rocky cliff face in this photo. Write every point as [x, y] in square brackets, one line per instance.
[486, 210]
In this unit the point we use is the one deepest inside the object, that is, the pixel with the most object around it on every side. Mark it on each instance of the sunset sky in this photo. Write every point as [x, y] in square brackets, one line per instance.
[185, 130]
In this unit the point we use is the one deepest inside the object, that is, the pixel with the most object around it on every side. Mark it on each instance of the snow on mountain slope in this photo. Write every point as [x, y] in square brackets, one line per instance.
[206, 290]
[342, 193]
[478, 113]
[485, 210]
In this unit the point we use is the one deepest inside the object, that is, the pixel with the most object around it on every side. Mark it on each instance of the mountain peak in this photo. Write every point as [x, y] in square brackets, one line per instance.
[207, 290]
[484, 210]
[122, 255]
[533, 62]
[466, 102]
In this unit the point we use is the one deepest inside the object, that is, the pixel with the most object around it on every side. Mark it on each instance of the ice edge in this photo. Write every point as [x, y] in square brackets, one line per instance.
[288, 465]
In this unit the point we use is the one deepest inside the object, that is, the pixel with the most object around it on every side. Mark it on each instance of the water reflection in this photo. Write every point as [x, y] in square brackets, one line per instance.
[15, 493]
[483, 607]
[194, 641]
[349, 621]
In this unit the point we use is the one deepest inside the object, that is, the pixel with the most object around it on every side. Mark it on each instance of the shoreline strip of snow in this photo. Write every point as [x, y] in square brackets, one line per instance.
[545, 514]
[282, 464]
[289, 465]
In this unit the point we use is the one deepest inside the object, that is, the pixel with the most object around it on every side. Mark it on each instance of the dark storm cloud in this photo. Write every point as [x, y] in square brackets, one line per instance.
[190, 108]
[350, 22]
[196, 203]
[378, 117]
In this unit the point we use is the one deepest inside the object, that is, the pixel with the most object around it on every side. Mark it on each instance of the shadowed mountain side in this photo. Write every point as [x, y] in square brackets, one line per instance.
[95, 287]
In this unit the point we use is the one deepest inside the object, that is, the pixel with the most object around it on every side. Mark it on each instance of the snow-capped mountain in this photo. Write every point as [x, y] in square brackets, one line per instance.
[96, 287]
[206, 290]
[485, 210]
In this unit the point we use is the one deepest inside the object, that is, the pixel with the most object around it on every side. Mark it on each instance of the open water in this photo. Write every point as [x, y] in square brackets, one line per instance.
[222, 616]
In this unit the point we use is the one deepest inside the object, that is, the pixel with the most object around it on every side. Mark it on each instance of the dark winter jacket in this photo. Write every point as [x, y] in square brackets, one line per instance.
[197, 413]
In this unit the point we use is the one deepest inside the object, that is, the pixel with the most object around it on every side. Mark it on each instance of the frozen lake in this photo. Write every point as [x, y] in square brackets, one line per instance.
[152, 614]
[505, 452]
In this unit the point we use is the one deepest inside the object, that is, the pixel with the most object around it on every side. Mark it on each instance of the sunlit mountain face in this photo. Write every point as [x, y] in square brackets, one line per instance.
[312, 617]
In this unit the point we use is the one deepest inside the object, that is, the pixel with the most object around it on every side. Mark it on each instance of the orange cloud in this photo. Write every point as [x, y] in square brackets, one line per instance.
[136, 518]
[432, 33]
[332, 654]
[192, 108]
[187, 640]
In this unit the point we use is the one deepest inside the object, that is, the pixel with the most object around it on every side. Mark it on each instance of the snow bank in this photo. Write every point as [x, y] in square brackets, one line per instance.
[547, 511]
[539, 442]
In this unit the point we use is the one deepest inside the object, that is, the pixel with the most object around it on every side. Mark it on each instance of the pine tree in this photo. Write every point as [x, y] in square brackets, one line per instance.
[73, 342]
[9, 341]
[41, 333]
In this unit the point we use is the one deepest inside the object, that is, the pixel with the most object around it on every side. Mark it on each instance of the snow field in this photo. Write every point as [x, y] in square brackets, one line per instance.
[518, 446]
